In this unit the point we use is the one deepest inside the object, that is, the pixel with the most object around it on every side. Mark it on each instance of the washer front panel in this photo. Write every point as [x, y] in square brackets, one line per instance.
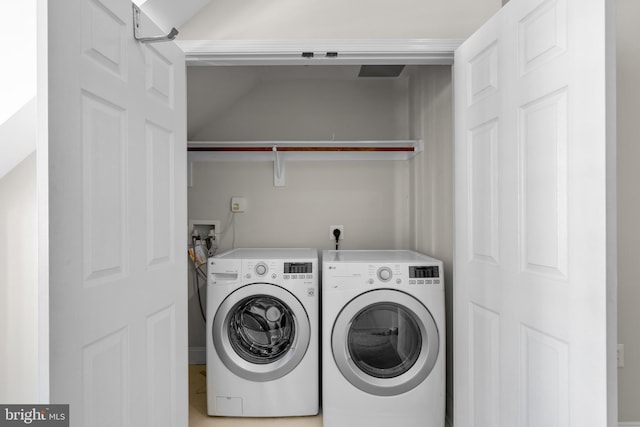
[261, 332]
[385, 342]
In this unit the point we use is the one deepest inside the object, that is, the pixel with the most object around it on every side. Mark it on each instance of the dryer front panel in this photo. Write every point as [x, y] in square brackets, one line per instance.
[385, 342]
[261, 332]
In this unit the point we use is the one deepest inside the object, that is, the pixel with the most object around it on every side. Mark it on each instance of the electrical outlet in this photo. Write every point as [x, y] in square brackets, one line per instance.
[238, 204]
[333, 227]
[620, 355]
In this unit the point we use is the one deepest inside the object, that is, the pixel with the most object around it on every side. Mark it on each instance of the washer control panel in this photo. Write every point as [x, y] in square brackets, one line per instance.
[298, 270]
[294, 266]
[278, 270]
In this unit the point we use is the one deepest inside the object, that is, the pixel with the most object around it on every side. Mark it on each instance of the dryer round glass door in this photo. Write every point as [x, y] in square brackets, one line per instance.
[261, 332]
[385, 342]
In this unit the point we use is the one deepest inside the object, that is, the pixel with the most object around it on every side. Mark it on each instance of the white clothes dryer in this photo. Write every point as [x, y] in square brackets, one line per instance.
[262, 333]
[383, 332]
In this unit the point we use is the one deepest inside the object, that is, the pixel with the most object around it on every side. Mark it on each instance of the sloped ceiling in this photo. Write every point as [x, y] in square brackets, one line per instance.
[18, 137]
[18, 82]
[337, 19]
[171, 13]
[213, 92]
[210, 90]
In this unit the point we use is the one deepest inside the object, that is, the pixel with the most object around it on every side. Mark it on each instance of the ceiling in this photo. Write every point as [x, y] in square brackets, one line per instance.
[170, 13]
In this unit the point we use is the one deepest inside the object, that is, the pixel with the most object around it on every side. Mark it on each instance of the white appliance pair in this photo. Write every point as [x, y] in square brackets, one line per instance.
[382, 336]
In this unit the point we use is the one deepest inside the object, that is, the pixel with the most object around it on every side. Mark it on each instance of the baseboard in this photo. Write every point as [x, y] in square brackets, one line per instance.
[620, 423]
[197, 355]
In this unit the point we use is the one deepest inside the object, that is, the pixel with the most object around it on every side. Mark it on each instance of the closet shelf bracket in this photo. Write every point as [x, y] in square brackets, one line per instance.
[278, 168]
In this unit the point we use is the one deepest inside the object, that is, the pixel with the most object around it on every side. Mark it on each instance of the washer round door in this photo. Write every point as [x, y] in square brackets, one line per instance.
[261, 332]
[385, 342]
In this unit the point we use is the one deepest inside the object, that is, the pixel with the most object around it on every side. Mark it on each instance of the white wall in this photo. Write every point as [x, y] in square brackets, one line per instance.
[432, 172]
[18, 137]
[294, 103]
[628, 207]
[18, 47]
[19, 382]
[370, 198]
[327, 19]
[18, 285]
[17, 82]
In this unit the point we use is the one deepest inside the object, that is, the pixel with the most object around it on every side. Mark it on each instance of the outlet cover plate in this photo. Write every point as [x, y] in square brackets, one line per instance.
[238, 204]
[333, 227]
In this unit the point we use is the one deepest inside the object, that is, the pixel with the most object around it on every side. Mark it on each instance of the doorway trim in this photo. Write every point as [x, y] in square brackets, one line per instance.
[320, 52]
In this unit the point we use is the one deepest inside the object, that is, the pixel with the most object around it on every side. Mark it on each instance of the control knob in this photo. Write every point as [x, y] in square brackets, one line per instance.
[385, 274]
[261, 269]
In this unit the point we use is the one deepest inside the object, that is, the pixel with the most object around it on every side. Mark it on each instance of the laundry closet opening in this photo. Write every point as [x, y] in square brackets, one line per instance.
[383, 199]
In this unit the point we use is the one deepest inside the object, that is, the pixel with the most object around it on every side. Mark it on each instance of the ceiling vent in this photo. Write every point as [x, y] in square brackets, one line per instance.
[380, 70]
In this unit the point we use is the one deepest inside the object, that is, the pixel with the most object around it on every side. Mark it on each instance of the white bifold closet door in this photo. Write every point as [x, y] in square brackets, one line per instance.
[534, 291]
[117, 216]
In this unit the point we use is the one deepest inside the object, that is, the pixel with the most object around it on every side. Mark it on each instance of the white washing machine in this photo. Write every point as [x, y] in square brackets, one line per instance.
[383, 339]
[262, 333]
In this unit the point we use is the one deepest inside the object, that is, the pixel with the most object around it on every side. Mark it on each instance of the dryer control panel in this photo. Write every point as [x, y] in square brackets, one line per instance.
[350, 269]
[404, 274]
[341, 275]
[424, 271]
[424, 275]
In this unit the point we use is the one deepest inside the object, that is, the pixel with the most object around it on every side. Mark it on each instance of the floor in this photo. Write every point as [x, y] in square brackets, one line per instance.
[198, 409]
